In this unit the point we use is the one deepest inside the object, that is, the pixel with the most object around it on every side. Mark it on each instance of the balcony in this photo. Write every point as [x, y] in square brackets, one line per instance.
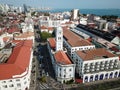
[97, 66]
[92, 70]
[87, 67]
[97, 69]
[92, 66]
[102, 65]
[86, 71]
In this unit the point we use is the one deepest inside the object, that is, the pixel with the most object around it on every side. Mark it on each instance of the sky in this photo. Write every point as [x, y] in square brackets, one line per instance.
[81, 4]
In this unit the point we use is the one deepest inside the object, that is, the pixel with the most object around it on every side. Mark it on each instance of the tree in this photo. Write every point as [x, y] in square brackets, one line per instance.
[45, 35]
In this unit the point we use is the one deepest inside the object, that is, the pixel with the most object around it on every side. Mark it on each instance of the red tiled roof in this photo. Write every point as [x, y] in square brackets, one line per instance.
[18, 61]
[5, 39]
[25, 35]
[62, 58]
[13, 29]
[94, 54]
[43, 27]
[52, 42]
[50, 28]
[68, 22]
[75, 40]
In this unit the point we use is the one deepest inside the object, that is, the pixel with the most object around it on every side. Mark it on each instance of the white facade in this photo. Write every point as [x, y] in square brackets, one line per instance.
[97, 69]
[83, 21]
[59, 39]
[65, 73]
[50, 23]
[71, 49]
[75, 14]
[27, 28]
[2, 44]
[18, 82]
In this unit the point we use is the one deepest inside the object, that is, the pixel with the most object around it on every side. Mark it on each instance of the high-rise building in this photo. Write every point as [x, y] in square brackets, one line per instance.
[75, 14]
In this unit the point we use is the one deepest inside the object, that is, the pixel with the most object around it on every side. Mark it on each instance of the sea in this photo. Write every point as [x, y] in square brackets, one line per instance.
[99, 12]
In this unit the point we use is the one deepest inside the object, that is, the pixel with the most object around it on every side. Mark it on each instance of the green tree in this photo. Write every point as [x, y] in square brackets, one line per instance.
[45, 35]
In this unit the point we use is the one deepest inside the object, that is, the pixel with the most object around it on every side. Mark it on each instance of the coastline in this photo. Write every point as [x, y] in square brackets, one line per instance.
[99, 12]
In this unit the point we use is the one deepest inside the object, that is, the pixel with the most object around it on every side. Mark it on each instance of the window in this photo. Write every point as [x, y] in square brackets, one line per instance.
[5, 86]
[17, 79]
[4, 82]
[70, 70]
[60, 74]
[10, 81]
[64, 75]
[25, 82]
[11, 85]
[59, 38]
[60, 69]
[18, 85]
[24, 78]
[64, 70]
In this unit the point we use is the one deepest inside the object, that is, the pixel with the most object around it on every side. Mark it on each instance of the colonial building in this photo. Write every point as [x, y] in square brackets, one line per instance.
[62, 64]
[15, 72]
[73, 42]
[96, 64]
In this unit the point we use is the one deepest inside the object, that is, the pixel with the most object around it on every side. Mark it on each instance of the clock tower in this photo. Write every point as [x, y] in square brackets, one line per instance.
[59, 39]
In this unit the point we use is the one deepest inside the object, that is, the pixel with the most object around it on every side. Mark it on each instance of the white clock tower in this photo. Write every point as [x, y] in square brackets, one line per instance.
[59, 39]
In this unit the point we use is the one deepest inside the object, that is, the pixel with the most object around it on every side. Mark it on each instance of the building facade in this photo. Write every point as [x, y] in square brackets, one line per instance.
[62, 64]
[73, 42]
[15, 73]
[96, 64]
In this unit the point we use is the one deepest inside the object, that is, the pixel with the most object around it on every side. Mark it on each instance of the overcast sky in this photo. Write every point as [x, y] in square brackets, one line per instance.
[81, 4]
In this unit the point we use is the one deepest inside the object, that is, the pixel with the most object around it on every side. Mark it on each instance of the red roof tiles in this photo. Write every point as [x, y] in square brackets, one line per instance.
[52, 42]
[18, 61]
[62, 58]
[75, 40]
[43, 27]
[94, 54]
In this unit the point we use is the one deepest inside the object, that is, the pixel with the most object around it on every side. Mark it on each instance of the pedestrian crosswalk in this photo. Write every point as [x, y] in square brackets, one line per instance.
[43, 86]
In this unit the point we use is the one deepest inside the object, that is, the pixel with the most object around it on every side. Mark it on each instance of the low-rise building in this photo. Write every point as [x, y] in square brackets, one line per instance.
[73, 42]
[62, 64]
[15, 73]
[96, 64]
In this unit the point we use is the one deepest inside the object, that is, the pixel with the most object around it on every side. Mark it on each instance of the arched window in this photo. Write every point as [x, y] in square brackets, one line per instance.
[116, 73]
[86, 79]
[101, 77]
[91, 78]
[106, 75]
[96, 77]
[119, 74]
[111, 74]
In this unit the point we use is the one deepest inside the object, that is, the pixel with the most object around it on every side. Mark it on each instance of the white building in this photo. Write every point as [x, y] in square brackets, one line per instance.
[59, 39]
[83, 21]
[15, 73]
[73, 42]
[27, 28]
[75, 13]
[50, 23]
[63, 66]
[96, 64]
[2, 44]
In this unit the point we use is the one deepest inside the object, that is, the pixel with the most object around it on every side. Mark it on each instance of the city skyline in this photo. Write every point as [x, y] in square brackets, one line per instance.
[83, 4]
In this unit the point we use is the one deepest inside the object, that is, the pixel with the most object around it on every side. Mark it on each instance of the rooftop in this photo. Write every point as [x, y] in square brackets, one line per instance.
[94, 54]
[18, 61]
[62, 58]
[52, 42]
[74, 40]
[25, 35]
